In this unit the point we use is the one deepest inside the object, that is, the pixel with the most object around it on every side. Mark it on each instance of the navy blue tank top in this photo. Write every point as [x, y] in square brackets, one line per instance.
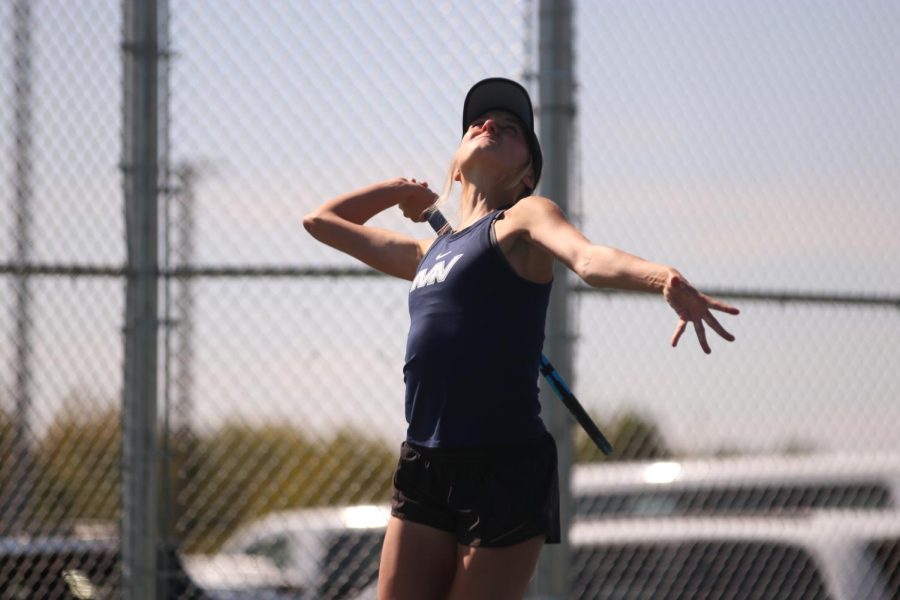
[474, 345]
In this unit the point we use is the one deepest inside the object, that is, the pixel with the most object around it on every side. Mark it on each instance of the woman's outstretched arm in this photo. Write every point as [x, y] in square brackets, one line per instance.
[544, 224]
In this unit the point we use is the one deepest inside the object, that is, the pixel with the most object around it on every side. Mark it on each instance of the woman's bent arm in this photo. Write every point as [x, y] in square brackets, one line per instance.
[340, 223]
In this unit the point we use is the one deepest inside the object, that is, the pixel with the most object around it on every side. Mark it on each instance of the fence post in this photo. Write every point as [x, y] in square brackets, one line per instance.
[139, 416]
[15, 498]
[556, 110]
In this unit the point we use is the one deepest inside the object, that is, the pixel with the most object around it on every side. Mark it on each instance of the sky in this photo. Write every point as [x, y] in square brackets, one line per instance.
[751, 145]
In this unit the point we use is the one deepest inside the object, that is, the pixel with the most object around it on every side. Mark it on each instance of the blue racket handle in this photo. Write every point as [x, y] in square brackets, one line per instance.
[437, 221]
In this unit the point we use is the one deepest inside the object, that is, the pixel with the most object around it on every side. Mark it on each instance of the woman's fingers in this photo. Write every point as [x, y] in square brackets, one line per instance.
[694, 307]
[721, 306]
[700, 330]
[717, 327]
[679, 329]
[701, 335]
[416, 200]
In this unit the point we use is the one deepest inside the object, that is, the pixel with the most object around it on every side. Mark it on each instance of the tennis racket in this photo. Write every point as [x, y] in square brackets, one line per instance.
[554, 379]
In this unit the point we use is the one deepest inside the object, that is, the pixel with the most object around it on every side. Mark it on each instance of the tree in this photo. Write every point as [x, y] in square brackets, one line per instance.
[222, 479]
[241, 473]
[633, 437]
[78, 466]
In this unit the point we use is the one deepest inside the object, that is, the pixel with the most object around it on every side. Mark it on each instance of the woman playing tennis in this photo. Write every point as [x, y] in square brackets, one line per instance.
[476, 491]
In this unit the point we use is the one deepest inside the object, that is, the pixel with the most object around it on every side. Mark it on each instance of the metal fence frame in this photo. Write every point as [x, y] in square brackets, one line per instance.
[147, 174]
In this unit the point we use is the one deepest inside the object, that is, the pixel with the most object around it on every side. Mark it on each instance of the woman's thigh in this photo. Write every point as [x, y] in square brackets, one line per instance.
[495, 573]
[417, 562]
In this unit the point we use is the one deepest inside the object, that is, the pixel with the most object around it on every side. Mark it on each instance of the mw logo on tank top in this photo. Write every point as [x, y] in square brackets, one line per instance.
[436, 274]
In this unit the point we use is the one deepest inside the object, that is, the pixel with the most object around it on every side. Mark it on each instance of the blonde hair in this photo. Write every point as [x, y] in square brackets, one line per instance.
[444, 196]
[517, 178]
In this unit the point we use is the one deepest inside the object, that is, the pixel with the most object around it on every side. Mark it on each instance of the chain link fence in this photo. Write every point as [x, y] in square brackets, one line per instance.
[60, 354]
[751, 146]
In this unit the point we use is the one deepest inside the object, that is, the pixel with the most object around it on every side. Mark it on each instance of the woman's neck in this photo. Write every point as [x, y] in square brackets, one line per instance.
[477, 201]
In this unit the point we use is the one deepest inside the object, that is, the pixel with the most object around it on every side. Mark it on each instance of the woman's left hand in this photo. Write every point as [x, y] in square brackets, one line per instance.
[694, 307]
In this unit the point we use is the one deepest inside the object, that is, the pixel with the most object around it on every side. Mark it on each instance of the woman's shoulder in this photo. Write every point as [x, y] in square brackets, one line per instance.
[531, 209]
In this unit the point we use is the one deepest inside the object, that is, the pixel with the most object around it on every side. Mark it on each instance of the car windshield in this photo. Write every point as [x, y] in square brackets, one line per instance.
[275, 548]
[887, 556]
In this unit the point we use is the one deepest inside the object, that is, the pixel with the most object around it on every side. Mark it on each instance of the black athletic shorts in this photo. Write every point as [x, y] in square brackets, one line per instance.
[489, 497]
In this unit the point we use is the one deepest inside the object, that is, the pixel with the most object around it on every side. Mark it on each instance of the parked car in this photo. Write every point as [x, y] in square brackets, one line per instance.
[835, 555]
[238, 577]
[333, 553]
[742, 485]
[57, 567]
[324, 553]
